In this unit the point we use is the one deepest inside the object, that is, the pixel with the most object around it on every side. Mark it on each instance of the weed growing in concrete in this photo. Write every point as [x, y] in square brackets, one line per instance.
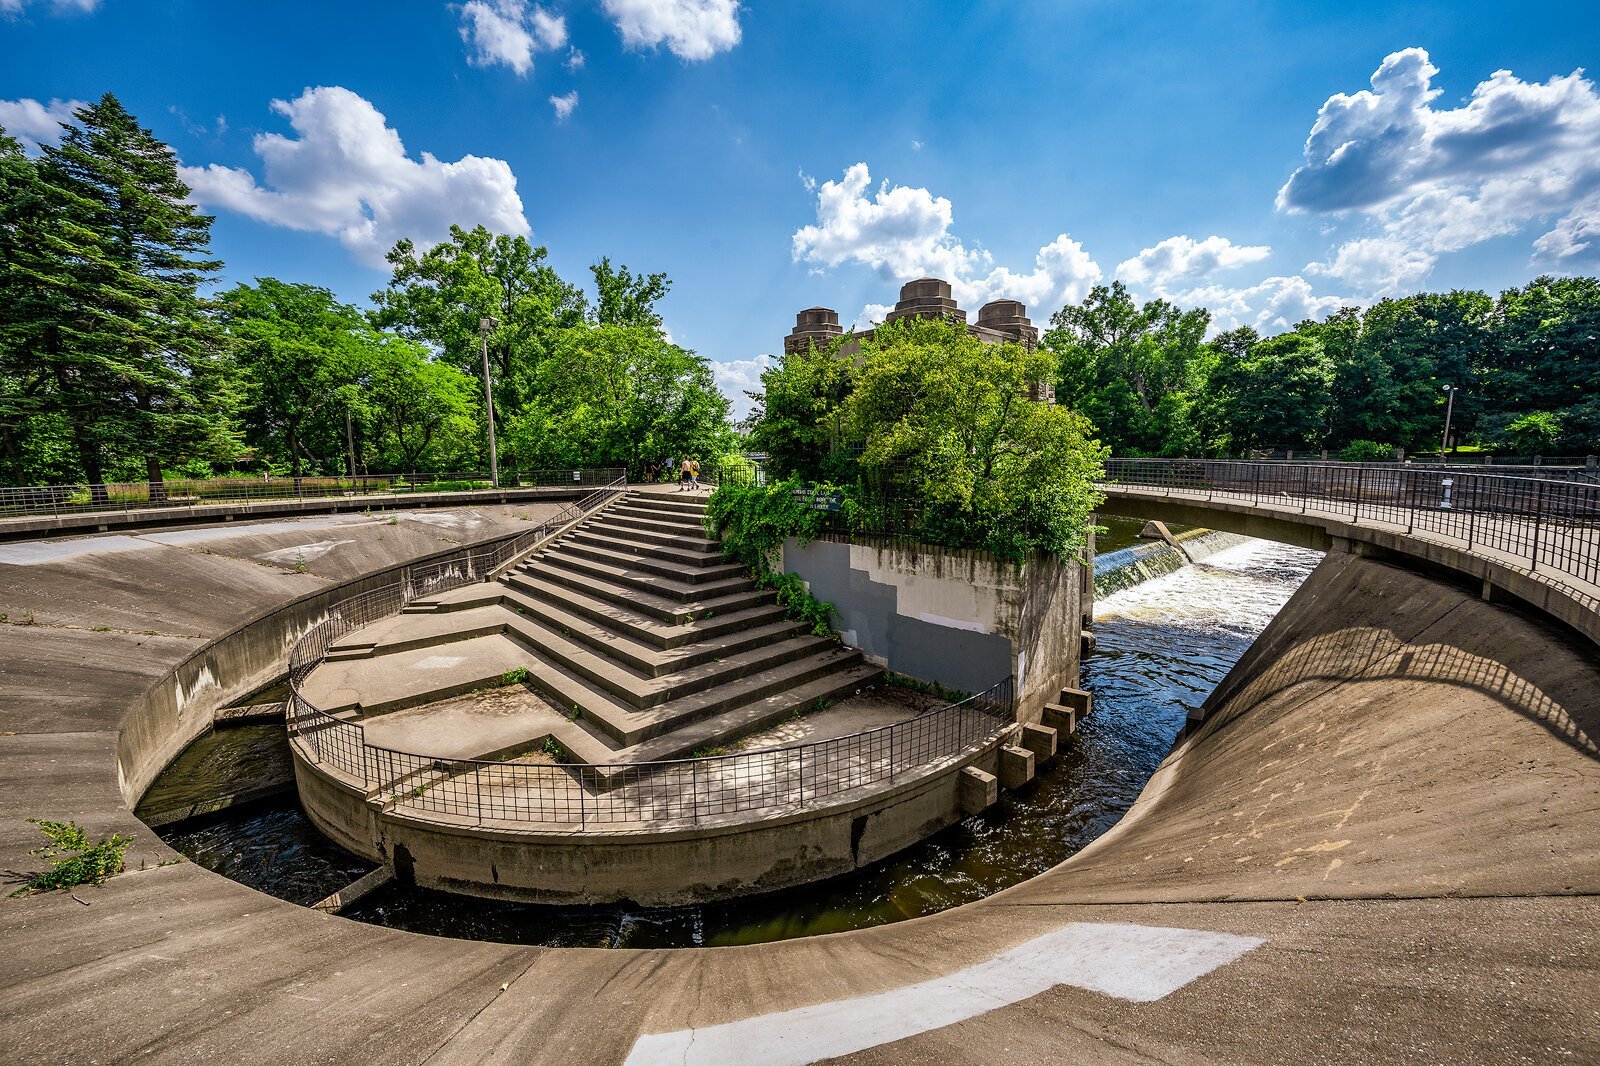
[101, 629]
[24, 619]
[708, 753]
[517, 675]
[552, 747]
[932, 688]
[299, 562]
[73, 860]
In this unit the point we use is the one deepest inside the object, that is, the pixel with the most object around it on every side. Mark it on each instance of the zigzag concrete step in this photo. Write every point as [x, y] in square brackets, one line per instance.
[374, 686]
[627, 531]
[629, 725]
[693, 569]
[649, 659]
[656, 521]
[752, 717]
[635, 576]
[666, 505]
[642, 691]
[409, 632]
[618, 546]
[654, 619]
[483, 594]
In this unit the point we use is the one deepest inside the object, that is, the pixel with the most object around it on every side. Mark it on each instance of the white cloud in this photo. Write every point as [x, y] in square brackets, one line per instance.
[509, 32]
[1441, 179]
[691, 29]
[34, 123]
[1272, 306]
[12, 8]
[575, 61]
[736, 376]
[565, 105]
[904, 233]
[916, 146]
[871, 315]
[1576, 238]
[348, 175]
[1183, 258]
[1381, 266]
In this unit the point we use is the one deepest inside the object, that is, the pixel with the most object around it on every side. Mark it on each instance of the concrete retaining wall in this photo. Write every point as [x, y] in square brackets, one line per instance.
[648, 867]
[958, 617]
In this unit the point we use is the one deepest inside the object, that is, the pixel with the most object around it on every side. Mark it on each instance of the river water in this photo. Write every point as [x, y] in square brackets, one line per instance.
[1164, 644]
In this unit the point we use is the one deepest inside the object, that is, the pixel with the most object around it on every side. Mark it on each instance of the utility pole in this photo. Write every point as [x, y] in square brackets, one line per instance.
[1449, 409]
[350, 441]
[484, 326]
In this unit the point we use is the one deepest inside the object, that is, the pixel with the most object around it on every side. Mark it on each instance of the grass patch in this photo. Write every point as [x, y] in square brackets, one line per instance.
[931, 688]
[73, 859]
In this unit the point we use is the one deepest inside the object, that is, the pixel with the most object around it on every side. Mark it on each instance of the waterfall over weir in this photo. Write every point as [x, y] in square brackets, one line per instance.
[1126, 567]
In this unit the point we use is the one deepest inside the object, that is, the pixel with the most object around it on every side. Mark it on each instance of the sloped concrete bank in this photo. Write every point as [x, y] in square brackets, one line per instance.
[1440, 748]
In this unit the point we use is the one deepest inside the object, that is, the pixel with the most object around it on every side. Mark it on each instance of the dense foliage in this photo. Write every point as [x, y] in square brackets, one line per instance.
[924, 430]
[1526, 365]
[753, 522]
[73, 859]
[117, 365]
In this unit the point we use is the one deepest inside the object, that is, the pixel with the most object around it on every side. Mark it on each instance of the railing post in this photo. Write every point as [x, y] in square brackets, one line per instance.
[1360, 477]
[1305, 487]
[1255, 492]
[1472, 514]
[1538, 517]
[801, 752]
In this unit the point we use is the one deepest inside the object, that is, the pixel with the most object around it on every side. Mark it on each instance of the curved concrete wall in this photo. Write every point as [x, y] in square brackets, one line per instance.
[652, 868]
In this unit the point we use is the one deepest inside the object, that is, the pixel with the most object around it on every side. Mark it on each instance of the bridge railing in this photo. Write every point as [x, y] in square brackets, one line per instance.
[1551, 526]
[84, 497]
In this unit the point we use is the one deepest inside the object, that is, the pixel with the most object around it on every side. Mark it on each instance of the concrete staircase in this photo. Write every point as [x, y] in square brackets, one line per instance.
[634, 626]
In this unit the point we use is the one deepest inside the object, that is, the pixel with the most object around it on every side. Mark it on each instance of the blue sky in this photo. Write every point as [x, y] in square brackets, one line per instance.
[773, 157]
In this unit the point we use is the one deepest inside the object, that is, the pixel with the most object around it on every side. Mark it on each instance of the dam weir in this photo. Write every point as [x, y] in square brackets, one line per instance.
[1171, 621]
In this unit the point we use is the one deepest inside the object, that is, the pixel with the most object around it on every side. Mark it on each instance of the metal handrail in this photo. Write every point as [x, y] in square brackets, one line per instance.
[1551, 526]
[85, 497]
[674, 791]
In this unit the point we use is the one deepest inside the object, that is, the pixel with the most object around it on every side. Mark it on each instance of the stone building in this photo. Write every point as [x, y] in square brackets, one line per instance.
[999, 321]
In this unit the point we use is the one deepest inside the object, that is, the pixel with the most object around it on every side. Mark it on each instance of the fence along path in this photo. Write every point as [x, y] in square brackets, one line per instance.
[655, 794]
[1550, 528]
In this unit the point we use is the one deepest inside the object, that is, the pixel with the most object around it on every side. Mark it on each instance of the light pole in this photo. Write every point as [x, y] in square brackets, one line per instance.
[484, 326]
[1449, 409]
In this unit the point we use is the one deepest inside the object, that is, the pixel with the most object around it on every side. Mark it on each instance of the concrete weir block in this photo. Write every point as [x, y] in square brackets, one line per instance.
[1016, 766]
[1078, 700]
[1041, 740]
[1061, 719]
[978, 790]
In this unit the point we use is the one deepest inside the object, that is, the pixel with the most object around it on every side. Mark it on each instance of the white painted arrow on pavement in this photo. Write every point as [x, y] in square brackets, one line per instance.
[1135, 962]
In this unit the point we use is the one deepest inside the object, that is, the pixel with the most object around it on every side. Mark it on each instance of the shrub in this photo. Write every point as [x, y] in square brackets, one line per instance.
[73, 860]
[1367, 451]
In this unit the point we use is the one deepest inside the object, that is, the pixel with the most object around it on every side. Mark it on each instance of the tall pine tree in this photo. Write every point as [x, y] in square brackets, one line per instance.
[134, 358]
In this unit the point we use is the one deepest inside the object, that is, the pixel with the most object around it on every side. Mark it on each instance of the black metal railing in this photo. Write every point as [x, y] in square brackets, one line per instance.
[181, 492]
[1552, 527]
[685, 792]
[657, 794]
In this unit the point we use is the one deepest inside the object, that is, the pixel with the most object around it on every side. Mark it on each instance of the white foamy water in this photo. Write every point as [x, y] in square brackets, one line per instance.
[1237, 589]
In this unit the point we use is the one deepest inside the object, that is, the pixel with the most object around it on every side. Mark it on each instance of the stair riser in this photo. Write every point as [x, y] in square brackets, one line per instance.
[601, 589]
[532, 638]
[643, 581]
[653, 522]
[650, 536]
[676, 556]
[710, 627]
[714, 707]
[670, 509]
[688, 573]
[417, 643]
[631, 658]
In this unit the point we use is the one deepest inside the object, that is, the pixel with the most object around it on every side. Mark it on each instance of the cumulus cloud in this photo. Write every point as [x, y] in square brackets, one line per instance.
[690, 29]
[904, 233]
[13, 8]
[1272, 306]
[1381, 266]
[1440, 179]
[348, 175]
[1182, 258]
[565, 105]
[34, 123]
[737, 376]
[575, 60]
[510, 32]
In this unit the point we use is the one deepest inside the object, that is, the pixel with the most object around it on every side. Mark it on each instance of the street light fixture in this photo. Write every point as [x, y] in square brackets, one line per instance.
[484, 326]
[1450, 409]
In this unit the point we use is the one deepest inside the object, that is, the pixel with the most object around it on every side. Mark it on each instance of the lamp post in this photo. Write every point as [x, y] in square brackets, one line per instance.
[1449, 409]
[484, 326]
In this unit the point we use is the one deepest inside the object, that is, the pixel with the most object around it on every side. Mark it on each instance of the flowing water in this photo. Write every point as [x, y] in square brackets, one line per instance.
[1164, 643]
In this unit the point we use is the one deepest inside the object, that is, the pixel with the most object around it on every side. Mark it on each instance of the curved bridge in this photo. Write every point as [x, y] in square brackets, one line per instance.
[1380, 845]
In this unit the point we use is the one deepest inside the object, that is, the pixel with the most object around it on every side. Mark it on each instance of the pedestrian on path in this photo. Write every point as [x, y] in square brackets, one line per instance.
[683, 477]
[694, 475]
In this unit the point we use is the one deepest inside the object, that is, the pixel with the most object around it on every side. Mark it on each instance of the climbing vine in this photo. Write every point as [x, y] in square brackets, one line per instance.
[753, 521]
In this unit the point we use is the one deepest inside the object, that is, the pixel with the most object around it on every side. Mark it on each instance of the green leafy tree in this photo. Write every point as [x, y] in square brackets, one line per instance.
[620, 395]
[439, 296]
[420, 414]
[1547, 350]
[1534, 433]
[798, 420]
[623, 299]
[1279, 393]
[1132, 369]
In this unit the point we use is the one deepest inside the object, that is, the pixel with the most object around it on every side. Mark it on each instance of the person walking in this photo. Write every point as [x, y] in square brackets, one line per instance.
[694, 475]
[683, 477]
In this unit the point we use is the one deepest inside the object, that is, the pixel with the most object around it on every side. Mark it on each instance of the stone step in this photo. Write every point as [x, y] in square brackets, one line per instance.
[634, 576]
[660, 521]
[669, 561]
[667, 503]
[622, 531]
[752, 717]
[651, 619]
[466, 598]
[403, 632]
[642, 690]
[649, 659]
[364, 689]
[629, 725]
